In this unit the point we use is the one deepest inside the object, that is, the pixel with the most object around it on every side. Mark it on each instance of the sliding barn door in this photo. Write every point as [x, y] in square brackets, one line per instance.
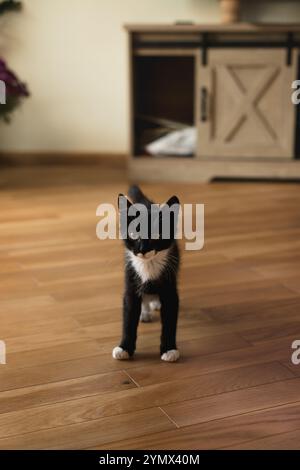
[244, 103]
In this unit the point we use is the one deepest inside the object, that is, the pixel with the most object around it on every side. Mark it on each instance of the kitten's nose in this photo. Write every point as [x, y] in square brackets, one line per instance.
[143, 248]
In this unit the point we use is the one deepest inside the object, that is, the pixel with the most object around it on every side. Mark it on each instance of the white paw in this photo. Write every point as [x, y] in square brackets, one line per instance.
[171, 356]
[119, 353]
[146, 317]
[154, 304]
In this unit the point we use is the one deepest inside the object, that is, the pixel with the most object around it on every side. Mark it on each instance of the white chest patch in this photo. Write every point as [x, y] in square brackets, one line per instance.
[148, 269]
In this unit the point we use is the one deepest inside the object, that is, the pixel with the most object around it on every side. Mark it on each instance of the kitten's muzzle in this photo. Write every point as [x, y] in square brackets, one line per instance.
[147, 255]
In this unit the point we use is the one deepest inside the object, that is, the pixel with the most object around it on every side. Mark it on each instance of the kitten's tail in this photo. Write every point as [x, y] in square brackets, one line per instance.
[137, 196]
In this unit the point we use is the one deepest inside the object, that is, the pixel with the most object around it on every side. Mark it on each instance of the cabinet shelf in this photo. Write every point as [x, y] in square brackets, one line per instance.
[163, 97]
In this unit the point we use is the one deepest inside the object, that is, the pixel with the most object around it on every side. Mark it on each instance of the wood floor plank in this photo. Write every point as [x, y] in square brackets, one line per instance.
[50, 338]
[13, 377]
[278, 329]
[27, 397]
[128, 400]
[11, 328]
[294, 368]
[53, 354]
[255, 310]
[240, 431]
[285, 441]
[292, 283]
[233, 403]
[92, 433]
[235, 295]
[221, 361]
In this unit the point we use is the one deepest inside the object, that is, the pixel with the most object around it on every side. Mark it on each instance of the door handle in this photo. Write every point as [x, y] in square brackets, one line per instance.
[203, 104]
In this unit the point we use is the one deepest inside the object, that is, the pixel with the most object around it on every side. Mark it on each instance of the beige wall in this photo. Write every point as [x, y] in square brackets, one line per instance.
[72, 53]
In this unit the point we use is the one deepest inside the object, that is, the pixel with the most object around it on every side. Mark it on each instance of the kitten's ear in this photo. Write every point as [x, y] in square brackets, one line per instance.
[123, 203]
[173, 200]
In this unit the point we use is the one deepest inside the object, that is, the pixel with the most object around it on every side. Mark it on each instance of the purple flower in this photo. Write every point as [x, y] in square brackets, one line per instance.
[14, 87]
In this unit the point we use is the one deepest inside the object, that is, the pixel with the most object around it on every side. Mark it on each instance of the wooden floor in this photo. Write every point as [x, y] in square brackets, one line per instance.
[60, 315]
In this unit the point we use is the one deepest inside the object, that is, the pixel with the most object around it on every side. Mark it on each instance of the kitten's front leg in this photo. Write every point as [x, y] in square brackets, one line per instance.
[169, 315]
[131, 315]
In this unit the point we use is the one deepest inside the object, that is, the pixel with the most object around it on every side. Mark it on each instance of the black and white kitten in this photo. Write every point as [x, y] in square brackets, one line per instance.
[151, 267]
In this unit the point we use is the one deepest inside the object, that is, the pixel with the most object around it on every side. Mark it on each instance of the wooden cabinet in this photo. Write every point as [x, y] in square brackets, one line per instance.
[232, 84]
[246, 108]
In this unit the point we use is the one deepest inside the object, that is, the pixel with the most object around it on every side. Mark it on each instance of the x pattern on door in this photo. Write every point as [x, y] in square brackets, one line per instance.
[247, 100]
